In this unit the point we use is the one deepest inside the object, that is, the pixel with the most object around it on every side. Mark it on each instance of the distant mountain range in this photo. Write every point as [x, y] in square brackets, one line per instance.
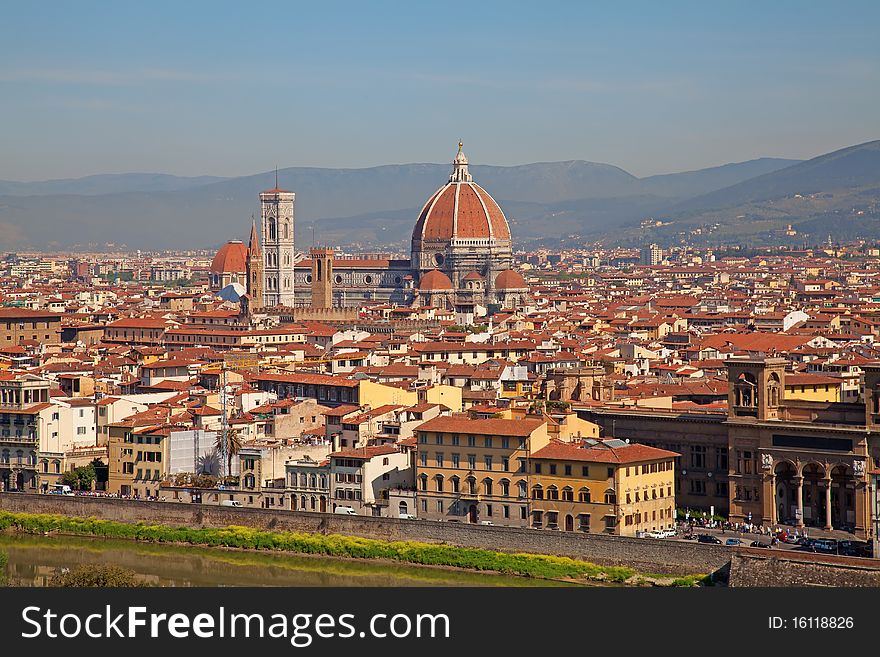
[376, 207]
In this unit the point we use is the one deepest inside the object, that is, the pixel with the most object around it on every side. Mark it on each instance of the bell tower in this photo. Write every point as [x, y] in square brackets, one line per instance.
[276, 215]
[322, 277]
[254, 270]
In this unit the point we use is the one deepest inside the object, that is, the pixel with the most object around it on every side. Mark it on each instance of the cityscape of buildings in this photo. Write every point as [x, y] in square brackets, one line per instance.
[601, 390]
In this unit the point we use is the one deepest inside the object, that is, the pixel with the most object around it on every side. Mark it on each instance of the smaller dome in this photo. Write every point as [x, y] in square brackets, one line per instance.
[435, 280]
[230, 259]
[510, 280]
[473, 276]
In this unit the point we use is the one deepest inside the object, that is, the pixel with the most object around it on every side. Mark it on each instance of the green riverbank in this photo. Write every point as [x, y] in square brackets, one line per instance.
[337, 546]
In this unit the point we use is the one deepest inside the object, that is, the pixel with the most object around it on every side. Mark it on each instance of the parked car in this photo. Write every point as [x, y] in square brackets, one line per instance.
[61, 489]
[407, 516]
[733, 542]
[759, 544]
[230, 503]
[708, 538]
[345, 511]
[824, 546]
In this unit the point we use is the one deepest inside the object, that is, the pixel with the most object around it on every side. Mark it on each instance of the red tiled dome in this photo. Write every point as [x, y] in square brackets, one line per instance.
[435, 280]
[230, 259]
[461, 209]
[510, 280]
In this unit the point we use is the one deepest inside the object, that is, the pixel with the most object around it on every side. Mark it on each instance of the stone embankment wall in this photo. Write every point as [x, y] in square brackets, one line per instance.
[748, 569]
[650, 555]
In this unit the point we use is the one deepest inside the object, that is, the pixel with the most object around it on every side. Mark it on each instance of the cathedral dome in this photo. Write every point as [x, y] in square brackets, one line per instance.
[461, 209]
[510, 280]
[230, 259]
[435, 280]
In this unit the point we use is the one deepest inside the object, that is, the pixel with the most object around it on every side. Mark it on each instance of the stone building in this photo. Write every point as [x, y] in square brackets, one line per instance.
[767, 459]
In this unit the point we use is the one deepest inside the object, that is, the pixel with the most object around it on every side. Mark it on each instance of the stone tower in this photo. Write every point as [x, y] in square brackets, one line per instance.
[276, 214]
[756, 387]
[254, 270]
[322, 277]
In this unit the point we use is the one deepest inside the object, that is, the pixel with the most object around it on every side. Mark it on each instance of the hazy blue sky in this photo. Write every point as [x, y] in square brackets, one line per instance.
[228, 88]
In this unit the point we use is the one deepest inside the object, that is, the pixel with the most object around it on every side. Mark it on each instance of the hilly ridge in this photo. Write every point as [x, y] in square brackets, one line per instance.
[376, 206]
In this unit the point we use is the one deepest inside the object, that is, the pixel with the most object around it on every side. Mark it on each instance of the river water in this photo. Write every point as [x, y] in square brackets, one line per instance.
[34, 560]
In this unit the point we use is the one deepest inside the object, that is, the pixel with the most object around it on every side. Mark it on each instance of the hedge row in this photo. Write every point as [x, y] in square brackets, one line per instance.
[529, 565]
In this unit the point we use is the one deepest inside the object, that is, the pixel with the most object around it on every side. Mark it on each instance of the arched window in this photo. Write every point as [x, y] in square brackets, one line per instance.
[537, 492]
[584, 495]
[454, 482]
[552, 493]
[438, 483]
[271, 224]
[423, 482]
[610, 497]
[472, 486]
[487, 486]
[505, 487]
[568, 494]
[522, 489]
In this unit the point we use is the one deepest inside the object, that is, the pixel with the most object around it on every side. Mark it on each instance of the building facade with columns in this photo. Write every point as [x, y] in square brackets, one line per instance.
[767, 460]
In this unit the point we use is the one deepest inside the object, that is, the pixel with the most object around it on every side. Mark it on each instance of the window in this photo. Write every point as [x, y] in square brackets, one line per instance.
[584, 522]
[537, 468]
[505, 443]
[521, 489]
[472, 486]
[423, 482]
[439, 506]
[552, 468]
[568, 494]
[698, 456]
[438, 483]
[454, 481]
[505, 464]
[610, 497]
[80, 431]
[472, 441]
[438, 440]
[585, 471]
[472, 461]
[488, 461]
[567, 470]
[720, 459]
[456, 458]
[439, 459]
[487, 486]
[537, 492]
[423, 438]
[505, 487]
[611, 473]
[584, 495]
[455, 440]
[697, 487]
[487, 442]
[423, 459]
[552, 493]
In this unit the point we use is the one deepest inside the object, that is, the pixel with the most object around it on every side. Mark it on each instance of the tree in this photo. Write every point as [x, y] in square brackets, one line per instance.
[231, 447]
[80, 478]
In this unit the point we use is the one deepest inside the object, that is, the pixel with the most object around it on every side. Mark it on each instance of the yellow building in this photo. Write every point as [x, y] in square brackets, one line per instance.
[138, 452]
[476, 470]
[813, 387]
[602, 486]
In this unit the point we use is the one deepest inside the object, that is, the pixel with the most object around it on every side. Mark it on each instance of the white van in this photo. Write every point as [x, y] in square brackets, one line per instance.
[61, 489]
[345, 511]
[407, 516]
[230, 503]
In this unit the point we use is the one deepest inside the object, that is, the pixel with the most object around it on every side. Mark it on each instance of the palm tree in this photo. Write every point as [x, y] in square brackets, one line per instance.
[231, 447]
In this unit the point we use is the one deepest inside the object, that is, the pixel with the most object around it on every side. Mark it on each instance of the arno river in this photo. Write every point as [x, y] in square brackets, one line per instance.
[33, 560]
